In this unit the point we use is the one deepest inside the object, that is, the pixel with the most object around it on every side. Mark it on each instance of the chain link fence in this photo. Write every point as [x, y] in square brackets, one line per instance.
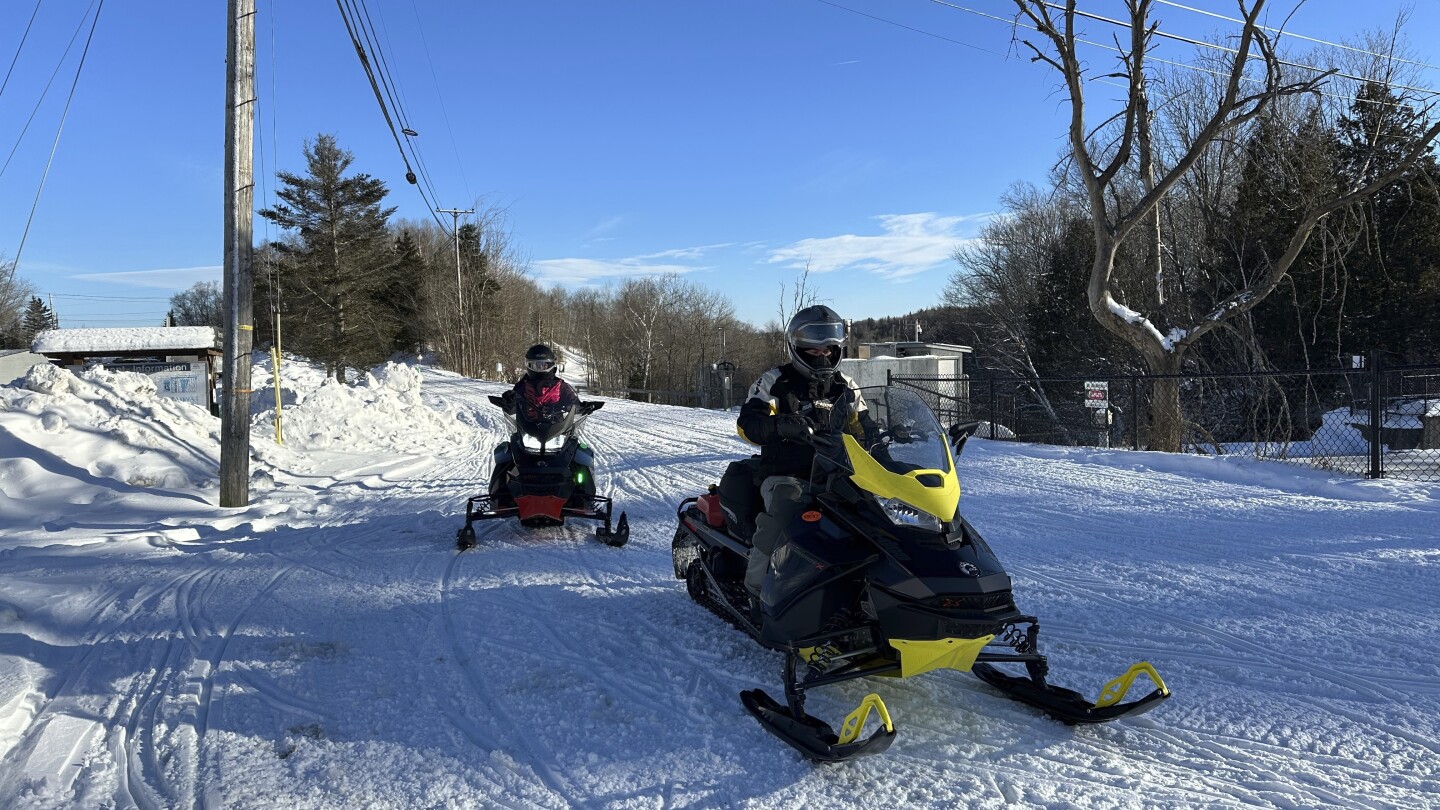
[1321, 419]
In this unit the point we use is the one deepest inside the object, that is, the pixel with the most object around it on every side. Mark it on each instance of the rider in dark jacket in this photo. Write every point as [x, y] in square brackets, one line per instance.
[539, 389]
[780, 413]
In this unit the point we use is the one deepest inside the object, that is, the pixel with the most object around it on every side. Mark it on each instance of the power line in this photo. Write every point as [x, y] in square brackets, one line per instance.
[1158, 60]
[61, 128]
[1294, 35]
[350, 28]
[1200, 43]
[56, 72]
[444, 113]
[381, 66]
[19, 48]
[910, 28]
[82, 297]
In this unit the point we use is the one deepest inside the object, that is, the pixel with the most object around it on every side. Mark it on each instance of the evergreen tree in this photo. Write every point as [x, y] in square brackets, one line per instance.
[1283, 172]
[1393, 300]
[401, 296]
[1064, 338]
[38, 318]
[333, 269]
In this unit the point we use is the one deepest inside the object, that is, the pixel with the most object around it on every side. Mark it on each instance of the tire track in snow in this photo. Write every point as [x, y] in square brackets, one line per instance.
[541, 760]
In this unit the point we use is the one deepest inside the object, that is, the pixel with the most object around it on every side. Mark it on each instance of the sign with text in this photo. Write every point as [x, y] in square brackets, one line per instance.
[182, 381]
[1097, 394]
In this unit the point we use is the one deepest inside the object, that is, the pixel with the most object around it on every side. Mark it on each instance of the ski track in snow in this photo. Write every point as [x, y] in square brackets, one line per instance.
[330, 648]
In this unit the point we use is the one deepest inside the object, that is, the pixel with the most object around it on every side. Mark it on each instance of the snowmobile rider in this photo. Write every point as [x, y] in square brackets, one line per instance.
[779, 414]
[539, 387]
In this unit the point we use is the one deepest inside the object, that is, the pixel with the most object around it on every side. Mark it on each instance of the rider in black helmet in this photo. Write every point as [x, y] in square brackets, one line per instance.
[539, 386]
[779, 414]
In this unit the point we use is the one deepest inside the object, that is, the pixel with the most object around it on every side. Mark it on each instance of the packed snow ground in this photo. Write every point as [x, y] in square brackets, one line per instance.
[326, 647]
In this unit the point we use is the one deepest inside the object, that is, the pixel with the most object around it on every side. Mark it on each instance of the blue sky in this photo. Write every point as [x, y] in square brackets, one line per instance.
[733, 142]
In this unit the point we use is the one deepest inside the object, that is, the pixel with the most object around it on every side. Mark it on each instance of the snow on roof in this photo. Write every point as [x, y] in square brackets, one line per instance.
[57, 341]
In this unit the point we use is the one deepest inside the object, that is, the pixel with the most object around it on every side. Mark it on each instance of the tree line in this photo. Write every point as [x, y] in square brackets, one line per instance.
[349, 286]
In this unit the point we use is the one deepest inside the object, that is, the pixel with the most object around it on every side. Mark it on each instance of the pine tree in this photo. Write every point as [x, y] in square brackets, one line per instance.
[1394, 269]
[38, 318]
[336, 264]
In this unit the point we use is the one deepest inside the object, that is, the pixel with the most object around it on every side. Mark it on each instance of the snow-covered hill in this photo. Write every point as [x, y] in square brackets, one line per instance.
[327, 647]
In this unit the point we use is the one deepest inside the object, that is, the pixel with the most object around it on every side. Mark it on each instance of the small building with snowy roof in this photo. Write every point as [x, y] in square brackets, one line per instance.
[180, 359]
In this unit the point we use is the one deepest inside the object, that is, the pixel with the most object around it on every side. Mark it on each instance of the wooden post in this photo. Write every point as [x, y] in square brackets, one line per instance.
[239, 246]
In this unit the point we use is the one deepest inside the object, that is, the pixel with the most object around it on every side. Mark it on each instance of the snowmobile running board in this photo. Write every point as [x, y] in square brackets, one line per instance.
[1071, 707]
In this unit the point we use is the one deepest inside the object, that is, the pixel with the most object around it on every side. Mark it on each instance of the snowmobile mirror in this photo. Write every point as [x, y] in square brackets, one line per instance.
[960, 432]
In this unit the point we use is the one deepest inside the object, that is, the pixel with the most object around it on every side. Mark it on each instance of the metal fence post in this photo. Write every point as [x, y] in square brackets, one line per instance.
[993, 414]
[1376, 416]
[1134, 412]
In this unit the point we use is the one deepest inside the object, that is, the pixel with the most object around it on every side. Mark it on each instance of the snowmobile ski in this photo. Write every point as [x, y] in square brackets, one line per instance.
[1071, 707]
[814, 738]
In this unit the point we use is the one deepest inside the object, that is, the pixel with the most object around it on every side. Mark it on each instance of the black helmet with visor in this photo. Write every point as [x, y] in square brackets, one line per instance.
[539, 362]
[816, 338]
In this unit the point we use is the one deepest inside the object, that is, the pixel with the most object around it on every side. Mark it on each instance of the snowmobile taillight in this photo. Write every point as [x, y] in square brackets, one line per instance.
[812, 516]
[710, 507]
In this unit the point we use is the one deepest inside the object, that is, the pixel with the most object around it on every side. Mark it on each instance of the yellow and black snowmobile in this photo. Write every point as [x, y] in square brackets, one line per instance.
[878, 575]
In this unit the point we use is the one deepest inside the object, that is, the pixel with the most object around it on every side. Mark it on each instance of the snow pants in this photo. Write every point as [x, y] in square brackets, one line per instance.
[784, 497]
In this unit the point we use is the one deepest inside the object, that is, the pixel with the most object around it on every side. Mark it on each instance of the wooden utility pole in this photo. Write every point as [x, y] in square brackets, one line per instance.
[465, 364]
[239, 247]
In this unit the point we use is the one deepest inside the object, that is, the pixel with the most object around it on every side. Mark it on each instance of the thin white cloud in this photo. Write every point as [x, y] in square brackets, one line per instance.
[592, 271]
[604, 227]
[584, 272]
[167, 279]
[911, 244]
[686, 253]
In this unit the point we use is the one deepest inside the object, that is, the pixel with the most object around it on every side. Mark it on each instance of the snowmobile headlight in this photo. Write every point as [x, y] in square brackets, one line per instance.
[903, 514]
[551, 445]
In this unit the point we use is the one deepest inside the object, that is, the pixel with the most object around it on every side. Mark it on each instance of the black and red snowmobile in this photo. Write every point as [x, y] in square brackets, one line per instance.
[879, 574]
[544, 473]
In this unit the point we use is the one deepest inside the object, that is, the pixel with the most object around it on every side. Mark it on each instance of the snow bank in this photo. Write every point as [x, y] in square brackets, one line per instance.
[384, 410]
[107, 431]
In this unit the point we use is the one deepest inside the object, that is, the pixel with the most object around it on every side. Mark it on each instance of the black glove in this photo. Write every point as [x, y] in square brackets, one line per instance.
[902, 434]
[792, 427]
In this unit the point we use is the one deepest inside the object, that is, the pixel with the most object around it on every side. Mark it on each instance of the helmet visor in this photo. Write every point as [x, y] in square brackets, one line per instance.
[540, 365]
[818, 335]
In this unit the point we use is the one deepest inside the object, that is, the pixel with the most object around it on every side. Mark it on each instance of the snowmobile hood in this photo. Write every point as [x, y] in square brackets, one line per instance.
[934, 491]
[909, 461]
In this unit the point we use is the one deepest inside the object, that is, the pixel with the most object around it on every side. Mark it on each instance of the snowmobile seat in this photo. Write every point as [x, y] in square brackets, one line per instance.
[740, 497]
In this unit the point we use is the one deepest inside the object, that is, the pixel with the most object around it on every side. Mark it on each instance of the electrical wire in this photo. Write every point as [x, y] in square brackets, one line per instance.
[61, 128]
[359, 20]
[385, 110]
[1294, 35]
[56, 72]
[19, 48]
[1200, 43]
[910, 28]
[444, 113]
[1158, 60]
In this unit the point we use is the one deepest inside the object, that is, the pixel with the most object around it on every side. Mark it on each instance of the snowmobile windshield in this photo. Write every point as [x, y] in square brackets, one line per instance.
[899, 452]
[549, 421]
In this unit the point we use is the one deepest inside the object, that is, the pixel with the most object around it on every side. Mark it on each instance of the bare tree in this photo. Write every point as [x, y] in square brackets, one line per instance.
[1104, 166]
[14, 293]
